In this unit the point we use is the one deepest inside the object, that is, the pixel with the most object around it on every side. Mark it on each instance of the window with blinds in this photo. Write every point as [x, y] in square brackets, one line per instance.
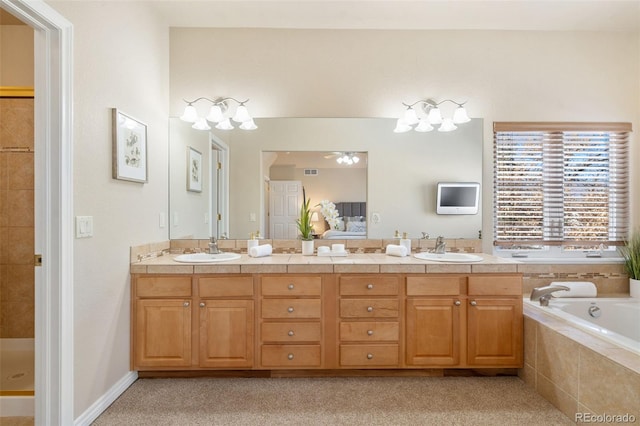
[560, 184]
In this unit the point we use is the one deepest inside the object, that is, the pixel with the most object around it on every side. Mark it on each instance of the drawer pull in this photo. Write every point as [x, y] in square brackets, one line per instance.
[370, 332]
[370, 286]
[202, 304]
[290, 333]
[473, 303]
[290, 286]
[186, 304]
[457, 303]
[369, 308]
[369, 356]
[290, 309]
[290, 357]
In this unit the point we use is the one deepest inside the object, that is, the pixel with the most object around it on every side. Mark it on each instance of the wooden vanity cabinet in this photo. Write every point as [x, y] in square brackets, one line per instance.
[161, 324]
[291, 321]
[369, 323]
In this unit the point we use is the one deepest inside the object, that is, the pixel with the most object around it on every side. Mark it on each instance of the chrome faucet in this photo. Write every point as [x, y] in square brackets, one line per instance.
[213, 246]
[543, 294]
[440, 245]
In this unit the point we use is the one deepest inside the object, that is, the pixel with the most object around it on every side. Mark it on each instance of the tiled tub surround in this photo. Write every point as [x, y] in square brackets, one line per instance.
[576, 371]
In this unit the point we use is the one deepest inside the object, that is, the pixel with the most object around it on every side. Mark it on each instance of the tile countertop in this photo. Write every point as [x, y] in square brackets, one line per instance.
[297, 263]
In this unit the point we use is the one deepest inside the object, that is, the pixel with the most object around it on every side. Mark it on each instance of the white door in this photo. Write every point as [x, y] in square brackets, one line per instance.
[285, 199]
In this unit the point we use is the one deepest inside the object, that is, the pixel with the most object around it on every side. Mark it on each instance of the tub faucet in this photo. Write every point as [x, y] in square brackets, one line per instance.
[213, 246]
[543, 294]
[440, 245]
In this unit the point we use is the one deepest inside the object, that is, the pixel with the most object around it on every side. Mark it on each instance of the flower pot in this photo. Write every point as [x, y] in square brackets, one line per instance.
[307, 247]
[634, 288]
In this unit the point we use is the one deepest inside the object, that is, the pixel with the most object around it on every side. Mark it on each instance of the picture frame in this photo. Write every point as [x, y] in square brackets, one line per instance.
[129, 148]
[194, 170]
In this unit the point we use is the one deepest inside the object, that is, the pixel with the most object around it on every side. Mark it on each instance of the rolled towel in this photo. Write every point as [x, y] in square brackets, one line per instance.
[576, 289]
[396, 250]
[261, 251]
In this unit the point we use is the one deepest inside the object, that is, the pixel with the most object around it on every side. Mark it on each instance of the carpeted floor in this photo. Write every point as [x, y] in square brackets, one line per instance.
[332, 401]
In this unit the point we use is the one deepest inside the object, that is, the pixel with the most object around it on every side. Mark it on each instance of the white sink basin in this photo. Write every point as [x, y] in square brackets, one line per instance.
[206, 257]
[449, 257]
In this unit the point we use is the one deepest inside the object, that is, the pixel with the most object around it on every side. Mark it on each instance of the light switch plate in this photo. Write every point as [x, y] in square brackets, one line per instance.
[84, 226]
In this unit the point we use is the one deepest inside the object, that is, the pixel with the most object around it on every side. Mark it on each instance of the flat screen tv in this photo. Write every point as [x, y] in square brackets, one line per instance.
[458, 198]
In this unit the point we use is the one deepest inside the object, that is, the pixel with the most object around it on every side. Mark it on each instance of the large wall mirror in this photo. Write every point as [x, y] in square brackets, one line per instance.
[396, 177]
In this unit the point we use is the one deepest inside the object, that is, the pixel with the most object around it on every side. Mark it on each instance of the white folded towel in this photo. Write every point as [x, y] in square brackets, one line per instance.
[261, 251]
[576, 289]
[396, 250]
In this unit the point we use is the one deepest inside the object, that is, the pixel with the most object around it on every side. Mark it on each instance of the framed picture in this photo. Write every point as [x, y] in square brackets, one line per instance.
[129, 148]
[194, 170]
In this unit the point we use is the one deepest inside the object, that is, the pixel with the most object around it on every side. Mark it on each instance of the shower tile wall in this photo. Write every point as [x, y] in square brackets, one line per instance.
[16, 218]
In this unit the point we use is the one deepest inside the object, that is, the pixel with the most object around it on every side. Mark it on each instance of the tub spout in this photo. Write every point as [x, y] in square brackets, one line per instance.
[543, 294]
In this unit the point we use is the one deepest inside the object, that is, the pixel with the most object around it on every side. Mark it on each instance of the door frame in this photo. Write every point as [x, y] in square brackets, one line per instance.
[53, 113]
[219, 228]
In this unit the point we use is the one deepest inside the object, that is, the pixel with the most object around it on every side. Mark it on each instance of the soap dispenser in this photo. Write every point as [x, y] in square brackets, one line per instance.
[251, 242]
[406, 242]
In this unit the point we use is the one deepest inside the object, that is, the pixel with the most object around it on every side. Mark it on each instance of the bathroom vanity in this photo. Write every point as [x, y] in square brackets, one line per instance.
[294, 312]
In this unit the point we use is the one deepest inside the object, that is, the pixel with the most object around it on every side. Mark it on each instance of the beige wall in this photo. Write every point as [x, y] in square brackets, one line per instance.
[120, 60]
[16, 55]
[504, 75]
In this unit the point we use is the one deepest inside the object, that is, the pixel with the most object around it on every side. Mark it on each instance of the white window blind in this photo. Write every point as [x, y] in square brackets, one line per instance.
[560, 183]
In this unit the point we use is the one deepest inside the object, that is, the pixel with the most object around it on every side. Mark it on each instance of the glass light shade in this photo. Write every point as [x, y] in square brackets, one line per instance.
[224, 125]
[356, 159]
[401, 126]
[410, 116]
[447, 126]
[201, 124]
[434, 116]
[339, 160]
[190, 114]
[215, 114]
[460, 115]
[314, 217]
[241, 114]
[248, 125]
[424, 126]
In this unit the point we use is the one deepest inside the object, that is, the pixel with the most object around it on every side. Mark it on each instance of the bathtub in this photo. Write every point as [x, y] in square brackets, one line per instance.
[615, 320]
[17, 367]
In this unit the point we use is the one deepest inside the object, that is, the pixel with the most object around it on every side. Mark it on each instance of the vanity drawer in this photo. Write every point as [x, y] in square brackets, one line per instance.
[291, 286]
[225, 287]
[436, 286]
[369, 308]
[163, 286]
[369, 355]
[290, 331]
[368, 286]
[369, 331]
[495, 285]
[290, 355]
[291, 308]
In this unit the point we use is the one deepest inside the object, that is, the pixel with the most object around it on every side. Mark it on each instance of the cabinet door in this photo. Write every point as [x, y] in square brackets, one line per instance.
[494, 335]
[163, 333]
[433, 331]
[226, 333]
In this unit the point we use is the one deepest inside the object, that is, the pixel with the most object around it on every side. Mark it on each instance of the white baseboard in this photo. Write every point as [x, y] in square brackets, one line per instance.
[92, 413]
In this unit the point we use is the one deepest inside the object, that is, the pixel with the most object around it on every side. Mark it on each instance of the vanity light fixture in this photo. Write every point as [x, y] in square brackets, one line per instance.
[431, 115]
[349, 158]
[219, 107]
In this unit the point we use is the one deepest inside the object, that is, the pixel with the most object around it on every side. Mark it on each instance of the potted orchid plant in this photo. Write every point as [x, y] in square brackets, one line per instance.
[631, 254]
[330, 213]
[304, 225]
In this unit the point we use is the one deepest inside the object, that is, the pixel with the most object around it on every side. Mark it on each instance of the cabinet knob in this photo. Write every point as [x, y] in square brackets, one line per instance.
[369, 356]
[290, 309]
[202, 304]
[473, 303]
[369, 308]
[186, 304]
[457, 303]
[290, 333]
[370, 332]
[290, 357]
[370, 286]
[290, 286]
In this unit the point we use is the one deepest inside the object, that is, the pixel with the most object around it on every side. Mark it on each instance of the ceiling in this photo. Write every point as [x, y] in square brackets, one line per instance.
[316, 160]
[542, 15]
